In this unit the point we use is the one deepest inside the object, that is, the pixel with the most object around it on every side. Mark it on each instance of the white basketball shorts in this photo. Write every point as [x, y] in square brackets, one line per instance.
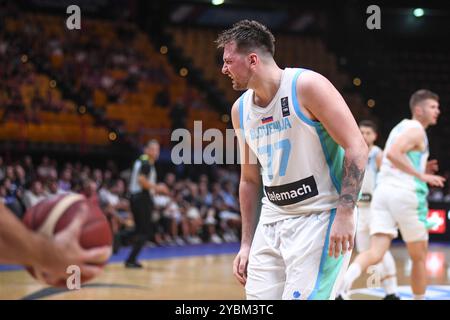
[395, 208]
[289, 259]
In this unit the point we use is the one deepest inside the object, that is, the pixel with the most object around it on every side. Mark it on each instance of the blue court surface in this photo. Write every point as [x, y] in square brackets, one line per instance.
[156, 253]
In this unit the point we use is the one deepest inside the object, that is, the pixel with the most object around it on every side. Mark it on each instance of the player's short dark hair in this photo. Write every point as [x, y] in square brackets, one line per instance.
[421, 95]
[248, 35]
[370, 124]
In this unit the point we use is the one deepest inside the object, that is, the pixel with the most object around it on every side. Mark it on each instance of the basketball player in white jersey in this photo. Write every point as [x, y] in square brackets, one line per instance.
[400, 198]
[386, 269]
[312, 156]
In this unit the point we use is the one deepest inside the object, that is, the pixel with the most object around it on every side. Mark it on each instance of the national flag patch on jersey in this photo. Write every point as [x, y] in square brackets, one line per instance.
[267, 119]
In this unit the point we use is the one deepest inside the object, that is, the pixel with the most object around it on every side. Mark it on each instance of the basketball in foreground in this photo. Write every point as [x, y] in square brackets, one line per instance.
[53, 215]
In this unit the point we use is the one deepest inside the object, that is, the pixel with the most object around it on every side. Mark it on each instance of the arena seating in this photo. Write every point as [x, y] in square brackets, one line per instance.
[291, 51]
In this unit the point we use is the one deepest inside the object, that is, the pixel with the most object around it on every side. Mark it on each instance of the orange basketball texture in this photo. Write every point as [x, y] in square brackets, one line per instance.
[53, 215]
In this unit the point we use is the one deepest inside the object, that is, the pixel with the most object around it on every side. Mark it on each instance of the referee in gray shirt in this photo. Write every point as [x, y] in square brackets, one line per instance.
[142, 188]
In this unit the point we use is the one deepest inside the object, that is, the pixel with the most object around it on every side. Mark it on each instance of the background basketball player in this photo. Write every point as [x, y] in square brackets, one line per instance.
[400, 199]
[386, 269]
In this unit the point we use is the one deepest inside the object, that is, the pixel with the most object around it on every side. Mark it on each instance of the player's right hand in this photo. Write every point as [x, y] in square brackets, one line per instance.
[433, 180]
[240, 265]
[162, 188]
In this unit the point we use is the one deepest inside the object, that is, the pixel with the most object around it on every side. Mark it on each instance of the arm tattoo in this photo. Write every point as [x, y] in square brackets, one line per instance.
[352, 177]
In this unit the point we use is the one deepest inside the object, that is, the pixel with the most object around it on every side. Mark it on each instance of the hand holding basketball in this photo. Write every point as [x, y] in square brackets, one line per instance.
[79, 235]
[69, 252]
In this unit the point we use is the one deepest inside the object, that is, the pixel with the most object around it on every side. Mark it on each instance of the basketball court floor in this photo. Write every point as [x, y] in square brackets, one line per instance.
[202, 272]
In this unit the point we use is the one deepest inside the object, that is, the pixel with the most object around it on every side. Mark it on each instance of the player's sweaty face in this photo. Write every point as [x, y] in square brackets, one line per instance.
[235, 66]
[368, 134]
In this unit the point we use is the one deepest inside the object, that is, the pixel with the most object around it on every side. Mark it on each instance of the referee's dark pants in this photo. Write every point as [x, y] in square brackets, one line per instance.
[141, 207]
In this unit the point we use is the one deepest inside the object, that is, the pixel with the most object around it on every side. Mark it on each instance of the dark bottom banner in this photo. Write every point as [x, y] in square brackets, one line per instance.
[159, 309]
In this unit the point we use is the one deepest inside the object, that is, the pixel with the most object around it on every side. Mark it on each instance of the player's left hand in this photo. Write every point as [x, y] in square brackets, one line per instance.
[342, 232]
[432, 167]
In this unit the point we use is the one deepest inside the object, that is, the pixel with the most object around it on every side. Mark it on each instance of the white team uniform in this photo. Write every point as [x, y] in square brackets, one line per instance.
[400, 200]
[302, 169]
[367, 189]
[386, 268]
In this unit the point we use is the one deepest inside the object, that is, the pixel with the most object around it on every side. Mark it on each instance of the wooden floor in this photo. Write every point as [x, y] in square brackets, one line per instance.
[200, 277]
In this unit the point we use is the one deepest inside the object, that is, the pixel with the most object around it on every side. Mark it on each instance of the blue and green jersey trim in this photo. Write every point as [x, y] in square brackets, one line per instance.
[421, 190]
[334, 153]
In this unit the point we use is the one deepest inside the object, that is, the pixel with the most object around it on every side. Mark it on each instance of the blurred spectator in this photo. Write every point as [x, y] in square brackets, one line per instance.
[192, 205]
[170, 180]
[171, 219]
[34, 195]
[10, 199]
[52, 188]
[207, 212]
[89, 190]
[85, 173]
[45, 169]
[229, 197]
[97, 176]
[12, 184]
[21, 177]
[28, 166]
[113, 198]
[9, 173]
[230, 218]
[203, 179]
[117, 210]
[65, 180]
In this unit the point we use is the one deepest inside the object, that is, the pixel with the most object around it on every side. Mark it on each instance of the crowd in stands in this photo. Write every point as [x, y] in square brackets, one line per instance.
[112, 68]
[16, 75]
[196, 211]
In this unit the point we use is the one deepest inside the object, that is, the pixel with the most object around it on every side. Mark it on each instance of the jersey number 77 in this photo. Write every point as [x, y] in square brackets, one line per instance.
[283, 146]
